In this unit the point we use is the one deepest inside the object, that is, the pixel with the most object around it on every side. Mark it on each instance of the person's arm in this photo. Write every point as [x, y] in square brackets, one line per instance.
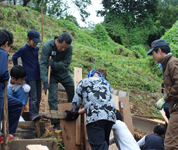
[111, 140]
[77, 100]
[81, 111]
[66, 60]
[44, 64]
[141, 142]
[172, 93]
[4, 75]
[16, 55]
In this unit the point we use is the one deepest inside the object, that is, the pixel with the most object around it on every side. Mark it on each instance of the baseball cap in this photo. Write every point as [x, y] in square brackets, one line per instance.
[35, 36]
[157, 43]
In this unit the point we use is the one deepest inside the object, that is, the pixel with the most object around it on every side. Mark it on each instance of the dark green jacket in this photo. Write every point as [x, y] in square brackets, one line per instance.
[62, 60]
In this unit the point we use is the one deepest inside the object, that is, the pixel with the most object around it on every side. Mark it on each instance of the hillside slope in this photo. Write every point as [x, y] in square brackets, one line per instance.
[127, 70]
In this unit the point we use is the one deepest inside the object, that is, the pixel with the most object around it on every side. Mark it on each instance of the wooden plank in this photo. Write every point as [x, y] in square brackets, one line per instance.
[21, 144]
[113, 146]
[87, 144]
[145, 125]
[57, 115]
[123, 94]
[77, 79]
[38, 129]
[126, 113]
[5, 119]
[36, 147]
[116, 101]
[61, 100]
[68, 129]
[27, 129]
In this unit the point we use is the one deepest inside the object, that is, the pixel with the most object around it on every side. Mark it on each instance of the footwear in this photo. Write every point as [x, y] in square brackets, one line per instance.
[36, 118]
[1, 138]
[57, 127]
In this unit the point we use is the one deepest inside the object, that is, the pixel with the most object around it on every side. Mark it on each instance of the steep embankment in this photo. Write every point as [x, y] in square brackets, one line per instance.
[127, 70]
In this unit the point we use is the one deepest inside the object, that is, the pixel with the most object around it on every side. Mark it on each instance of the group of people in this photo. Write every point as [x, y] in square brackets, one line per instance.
[25, 82]
[93, 92]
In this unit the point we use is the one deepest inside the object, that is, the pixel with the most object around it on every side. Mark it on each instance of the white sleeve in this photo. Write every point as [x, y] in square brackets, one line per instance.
[141, 142]
[111, 140]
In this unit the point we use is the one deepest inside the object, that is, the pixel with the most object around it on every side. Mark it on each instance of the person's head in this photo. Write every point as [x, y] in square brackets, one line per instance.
[18, 75]
[33, 38]
[159, 49]
[63, 41]
[118, 116]
[94, 73]
[6, 39]
[159, 130]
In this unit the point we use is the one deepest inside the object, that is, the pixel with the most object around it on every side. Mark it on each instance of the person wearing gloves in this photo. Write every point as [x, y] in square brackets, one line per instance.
[95, 94]
[60, 49]
[160, 50]
[122, 136]
[17, 86]
[29, 57]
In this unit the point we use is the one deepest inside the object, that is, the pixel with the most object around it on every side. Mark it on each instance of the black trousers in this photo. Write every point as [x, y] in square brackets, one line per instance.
[98, 134]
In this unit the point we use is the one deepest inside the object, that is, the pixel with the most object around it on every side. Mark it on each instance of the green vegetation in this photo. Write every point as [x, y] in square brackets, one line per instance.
[127, 69]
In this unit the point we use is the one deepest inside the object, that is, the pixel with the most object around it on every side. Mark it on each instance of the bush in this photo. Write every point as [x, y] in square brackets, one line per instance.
[140, 50]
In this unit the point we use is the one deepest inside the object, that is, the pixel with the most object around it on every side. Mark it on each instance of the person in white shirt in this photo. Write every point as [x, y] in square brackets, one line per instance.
[122, 136]
[17, 86]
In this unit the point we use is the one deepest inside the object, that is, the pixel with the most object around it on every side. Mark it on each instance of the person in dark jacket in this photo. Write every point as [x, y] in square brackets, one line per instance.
[60, 49]
[153, 141]
[29, 56]
[161, 53]
[14, 105]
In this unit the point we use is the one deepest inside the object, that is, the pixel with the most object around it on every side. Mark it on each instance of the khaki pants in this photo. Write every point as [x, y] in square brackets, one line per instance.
[171, 138]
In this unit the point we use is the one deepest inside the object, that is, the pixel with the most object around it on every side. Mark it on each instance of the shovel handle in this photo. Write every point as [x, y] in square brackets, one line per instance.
[47, 92]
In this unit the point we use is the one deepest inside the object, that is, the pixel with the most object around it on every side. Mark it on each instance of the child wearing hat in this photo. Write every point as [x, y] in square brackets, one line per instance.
[29, 57]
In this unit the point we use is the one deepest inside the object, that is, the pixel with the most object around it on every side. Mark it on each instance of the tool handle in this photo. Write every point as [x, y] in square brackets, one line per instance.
[47, 92]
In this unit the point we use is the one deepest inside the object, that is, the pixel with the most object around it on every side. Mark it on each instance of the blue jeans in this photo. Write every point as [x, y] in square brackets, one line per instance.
[35, 97]
[20, 95]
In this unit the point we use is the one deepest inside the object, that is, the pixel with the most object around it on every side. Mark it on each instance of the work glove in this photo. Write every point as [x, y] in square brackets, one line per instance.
[70, 116]
[26, 88]
[51, 62]
[160, 104]
[46, 86]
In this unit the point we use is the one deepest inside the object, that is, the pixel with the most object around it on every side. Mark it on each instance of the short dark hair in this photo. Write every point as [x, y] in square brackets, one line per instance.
[158, 130]
[6, 36]
[118, 115]
[65, 37]
[165, 49]
[18, 72]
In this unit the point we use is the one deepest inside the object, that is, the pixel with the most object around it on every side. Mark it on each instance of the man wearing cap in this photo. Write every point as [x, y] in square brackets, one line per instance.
[29, 57]
[161, 53]
[60, 49]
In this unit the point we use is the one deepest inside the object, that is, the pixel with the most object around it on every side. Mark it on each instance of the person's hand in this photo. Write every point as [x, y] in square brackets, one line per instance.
[46, 86]
[51, 62]
[71, 116]
[160, 104]
[26, 88]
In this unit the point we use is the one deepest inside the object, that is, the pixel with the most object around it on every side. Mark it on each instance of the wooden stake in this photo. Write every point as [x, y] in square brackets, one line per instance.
[5, 120]
[42, 23]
